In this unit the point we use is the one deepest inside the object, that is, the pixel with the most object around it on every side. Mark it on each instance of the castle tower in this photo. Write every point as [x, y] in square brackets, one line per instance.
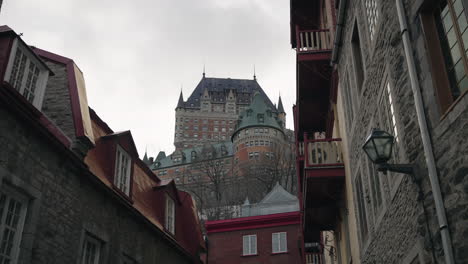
[258, 139]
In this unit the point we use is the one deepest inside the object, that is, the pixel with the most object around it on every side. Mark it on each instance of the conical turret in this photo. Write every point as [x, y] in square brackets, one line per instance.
[180, 104]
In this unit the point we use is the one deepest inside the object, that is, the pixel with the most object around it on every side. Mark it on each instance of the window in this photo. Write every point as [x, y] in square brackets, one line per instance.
[122, 170]
[361, 207]
[170, 215]
[357, 57]
[215, 129]
[249, 245]
[279, 242]
[251, 155]
[91, 250]
[261, 118]
[26, 74]
[193, 155]
[223, 129]
[246, 131]
[388, 119]
[452, 27]
[12, 214]
[372, 16]
[256, 131]
[348, 102]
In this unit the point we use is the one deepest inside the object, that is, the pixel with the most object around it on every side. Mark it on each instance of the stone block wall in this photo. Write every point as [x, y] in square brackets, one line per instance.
[405, 226]
[65, 202]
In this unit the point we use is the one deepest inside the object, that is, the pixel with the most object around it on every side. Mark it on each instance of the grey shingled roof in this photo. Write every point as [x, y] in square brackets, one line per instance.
[219, 88]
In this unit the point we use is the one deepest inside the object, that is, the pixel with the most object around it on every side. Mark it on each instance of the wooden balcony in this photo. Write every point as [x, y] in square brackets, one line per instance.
[313, 44]
[321, 153]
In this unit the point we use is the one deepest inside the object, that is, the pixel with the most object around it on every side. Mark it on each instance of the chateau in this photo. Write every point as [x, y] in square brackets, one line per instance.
[228, 133]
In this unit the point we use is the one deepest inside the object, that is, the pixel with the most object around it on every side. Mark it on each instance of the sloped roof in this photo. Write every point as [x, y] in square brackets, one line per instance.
[187, 154]
[219, 87]
[278, 200]
[249, 117]
[280, 106]
[278, 195]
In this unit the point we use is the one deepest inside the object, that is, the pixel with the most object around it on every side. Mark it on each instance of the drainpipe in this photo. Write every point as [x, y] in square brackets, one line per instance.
[338, 32]
[428, 152]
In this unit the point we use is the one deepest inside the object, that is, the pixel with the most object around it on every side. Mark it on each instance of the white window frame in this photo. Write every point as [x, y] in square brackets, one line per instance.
[97, 243]
[281, 240]
[122, 170]
[249, 245]
[30, 58]
[10, 196]
[372, 14]
[169, 224]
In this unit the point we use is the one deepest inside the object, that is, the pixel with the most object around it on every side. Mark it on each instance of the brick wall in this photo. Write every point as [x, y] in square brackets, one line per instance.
[226, 247]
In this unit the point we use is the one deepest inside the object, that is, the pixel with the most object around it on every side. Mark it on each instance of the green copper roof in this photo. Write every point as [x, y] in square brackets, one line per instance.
[258, 114]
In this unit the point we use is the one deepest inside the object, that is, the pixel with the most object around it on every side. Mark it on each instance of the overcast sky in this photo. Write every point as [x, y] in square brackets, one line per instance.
[136, 55]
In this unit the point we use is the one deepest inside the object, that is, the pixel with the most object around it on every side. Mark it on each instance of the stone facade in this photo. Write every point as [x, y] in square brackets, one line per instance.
[399, 222]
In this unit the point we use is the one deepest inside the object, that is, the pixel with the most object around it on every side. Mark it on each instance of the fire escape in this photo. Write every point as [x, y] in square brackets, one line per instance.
[319, 161]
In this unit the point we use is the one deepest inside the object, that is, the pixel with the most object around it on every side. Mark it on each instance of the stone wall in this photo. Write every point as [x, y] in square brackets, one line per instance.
[405, 226]
[66, 202]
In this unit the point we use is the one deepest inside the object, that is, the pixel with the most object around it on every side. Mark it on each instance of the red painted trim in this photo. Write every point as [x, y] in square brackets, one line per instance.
[321, 55]
[325, 173]
[253, 222]
[99, 121]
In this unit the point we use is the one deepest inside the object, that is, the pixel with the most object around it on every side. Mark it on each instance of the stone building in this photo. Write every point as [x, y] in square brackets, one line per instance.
[71, 189]
[402, 67]
[211, 162]
[210, 113]
[266, 232]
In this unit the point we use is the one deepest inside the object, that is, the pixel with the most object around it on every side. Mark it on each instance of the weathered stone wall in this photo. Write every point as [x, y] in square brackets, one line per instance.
[64, 203]
[400, 227]
[57, 104]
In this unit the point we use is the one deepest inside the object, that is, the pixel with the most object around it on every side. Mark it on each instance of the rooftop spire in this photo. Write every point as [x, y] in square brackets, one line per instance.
[280, 105]
[181, 99]
[203, 70]
[255, 76]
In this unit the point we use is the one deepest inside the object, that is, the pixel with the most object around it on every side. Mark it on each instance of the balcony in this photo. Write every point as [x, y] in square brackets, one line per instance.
[323, 176]
[313, 44]
[314, 258]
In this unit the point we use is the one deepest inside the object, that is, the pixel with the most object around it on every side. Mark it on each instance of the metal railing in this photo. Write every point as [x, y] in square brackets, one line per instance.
[313, 40]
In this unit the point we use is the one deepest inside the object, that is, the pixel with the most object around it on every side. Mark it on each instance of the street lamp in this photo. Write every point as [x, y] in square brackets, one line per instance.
[378, 147]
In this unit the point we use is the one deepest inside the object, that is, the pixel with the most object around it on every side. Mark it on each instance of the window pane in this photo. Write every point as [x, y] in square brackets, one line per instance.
[451, 37]
[447, 21]
[253, 244]
[462, 23]
[460, 70]
[455, 51]
[463, 85]
[458, 7]
[275, 242]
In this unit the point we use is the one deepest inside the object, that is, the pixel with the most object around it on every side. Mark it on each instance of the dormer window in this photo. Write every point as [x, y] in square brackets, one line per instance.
[122, 170]
[194, 155]
[249, 112]
[26, 73]
[170, 215]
